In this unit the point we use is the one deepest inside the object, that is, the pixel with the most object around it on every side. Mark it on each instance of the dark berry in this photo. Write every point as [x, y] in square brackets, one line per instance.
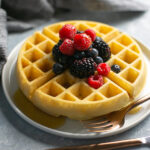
[82, 42]
[115, 68]
[58, 68]
[98, 59]
[59, 57]
[103, 69]
[78, 32]
[68, 31]
[95, 81]
[67, 47]
[79, 54]
[92, 52]
[83, 68]
[91, 33]
[103, 48]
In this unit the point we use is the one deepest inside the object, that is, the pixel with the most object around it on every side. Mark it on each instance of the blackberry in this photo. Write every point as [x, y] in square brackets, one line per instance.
[58, 68]
[115, 68]
[83, 68]
[103, 48]
[58, 56]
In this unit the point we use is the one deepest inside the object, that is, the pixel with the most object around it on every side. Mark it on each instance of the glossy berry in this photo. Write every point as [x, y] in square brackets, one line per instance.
[95, 81]
[92, 52]
[82, 42]
[58, 56]
[103, 69]
[67, 47]
[98, 60]
[78, 32]
[58, 68]
[103, 48]
[79, 54]
[68, 31]
[91, 33]
[115, 68]
[83, 68]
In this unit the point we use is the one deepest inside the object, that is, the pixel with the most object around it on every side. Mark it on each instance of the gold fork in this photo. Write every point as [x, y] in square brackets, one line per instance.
[113, 120]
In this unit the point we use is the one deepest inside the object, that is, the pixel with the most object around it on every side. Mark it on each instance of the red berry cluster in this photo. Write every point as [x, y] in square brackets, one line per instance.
[73, 41]
[96, 81]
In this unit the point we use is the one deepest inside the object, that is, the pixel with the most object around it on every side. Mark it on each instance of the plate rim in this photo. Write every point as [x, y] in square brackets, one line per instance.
[55, 131]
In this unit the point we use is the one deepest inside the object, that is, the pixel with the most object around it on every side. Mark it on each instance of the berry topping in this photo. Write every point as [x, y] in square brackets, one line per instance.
[91, 33]
[79, 54]
[95, 81]
[103, 69]
[67, 47]
[78, 32]
[115, 68]
[98, 59]
[58, 56]
[58, 68]
[68, 31]
[82, 42]
[92, 52]
[103, 48]
[83, 68]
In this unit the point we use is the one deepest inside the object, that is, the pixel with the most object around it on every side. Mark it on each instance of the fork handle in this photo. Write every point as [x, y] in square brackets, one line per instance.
[105, 146]
[140, 101]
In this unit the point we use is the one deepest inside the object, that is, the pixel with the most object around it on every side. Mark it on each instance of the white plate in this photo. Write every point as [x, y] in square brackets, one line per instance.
[71, 128]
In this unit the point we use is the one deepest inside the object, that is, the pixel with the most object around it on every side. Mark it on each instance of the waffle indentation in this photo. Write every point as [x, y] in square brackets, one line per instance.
[124, 40]
[138, 64]
[46, 47]
[28, 46]
[95, 97]
[52, 89]
[24, 62]
[105, 29]
[110, 90]
[128, 56]
[45, 65]
[37, 38]
[33, 55]
[130, 75]
[135, 48]
[115, 48]
[68, 97]
[32, 73]
[79, 90]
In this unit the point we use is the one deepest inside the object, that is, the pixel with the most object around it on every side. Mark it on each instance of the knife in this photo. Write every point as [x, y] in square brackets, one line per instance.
[109, 145]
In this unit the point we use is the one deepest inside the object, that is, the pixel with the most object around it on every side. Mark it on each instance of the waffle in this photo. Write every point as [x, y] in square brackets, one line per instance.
[69, 96]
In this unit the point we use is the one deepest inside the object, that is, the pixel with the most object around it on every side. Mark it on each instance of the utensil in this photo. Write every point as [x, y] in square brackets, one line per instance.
[113, 120]
[109, 145]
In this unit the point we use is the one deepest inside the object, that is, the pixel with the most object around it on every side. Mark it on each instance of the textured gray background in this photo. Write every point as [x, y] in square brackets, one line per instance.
[17, 134]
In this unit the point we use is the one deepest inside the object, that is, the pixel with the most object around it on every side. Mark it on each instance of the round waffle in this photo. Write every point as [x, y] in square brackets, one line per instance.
[73, 97]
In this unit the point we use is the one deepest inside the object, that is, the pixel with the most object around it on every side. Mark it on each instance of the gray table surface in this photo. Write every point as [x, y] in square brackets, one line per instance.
[17, 134]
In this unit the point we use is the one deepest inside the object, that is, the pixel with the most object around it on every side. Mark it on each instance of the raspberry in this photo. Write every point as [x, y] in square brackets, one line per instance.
[91, 33]
[67, 47]
[68, 31]
[82, 42]
[103, 69]
[95, 81]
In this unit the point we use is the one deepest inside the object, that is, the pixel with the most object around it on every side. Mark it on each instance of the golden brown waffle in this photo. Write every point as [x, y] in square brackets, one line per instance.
[72, 97]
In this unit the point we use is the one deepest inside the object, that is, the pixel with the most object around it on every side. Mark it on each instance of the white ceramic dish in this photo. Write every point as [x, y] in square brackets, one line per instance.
[71, 128]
